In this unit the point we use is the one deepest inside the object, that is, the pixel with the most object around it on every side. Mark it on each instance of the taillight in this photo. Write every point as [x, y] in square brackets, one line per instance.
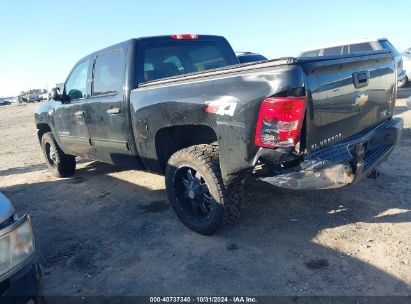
[184, 36]
[279, 122]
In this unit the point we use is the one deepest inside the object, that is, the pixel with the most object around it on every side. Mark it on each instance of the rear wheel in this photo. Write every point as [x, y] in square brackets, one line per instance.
[196, 190]
[59, 163]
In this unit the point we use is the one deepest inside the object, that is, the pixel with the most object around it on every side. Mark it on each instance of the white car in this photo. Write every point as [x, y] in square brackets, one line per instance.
[45, 96]
[17, 99]
[406, 58]
[358, 46]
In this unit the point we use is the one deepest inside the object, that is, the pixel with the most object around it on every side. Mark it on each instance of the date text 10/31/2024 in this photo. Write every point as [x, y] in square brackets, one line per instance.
[203, 300]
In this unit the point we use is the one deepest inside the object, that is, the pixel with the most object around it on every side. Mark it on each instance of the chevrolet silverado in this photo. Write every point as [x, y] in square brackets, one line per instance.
[183, 106]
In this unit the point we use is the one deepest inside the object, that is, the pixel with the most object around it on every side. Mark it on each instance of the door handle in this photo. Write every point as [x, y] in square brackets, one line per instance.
[114, 111]
[79, 113]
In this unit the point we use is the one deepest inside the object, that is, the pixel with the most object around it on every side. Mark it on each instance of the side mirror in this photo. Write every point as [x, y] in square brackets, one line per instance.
[56, 95]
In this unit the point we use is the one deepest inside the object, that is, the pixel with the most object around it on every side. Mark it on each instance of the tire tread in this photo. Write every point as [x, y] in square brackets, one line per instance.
[66, 164]
[208, 157]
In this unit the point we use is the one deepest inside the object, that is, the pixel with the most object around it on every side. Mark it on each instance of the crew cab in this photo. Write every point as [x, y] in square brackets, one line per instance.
[183, 106]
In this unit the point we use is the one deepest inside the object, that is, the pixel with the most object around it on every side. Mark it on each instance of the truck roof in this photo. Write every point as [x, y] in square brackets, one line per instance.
[175, 37]
[162, 38]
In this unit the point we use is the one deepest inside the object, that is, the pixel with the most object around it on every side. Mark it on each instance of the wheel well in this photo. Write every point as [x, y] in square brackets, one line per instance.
[41, 129]
[172, 139]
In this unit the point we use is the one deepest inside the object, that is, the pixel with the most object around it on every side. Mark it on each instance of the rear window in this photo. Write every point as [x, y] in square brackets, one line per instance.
[313, 53]
[172, 59]
[343, 49]
[360, 47]
[333, 51]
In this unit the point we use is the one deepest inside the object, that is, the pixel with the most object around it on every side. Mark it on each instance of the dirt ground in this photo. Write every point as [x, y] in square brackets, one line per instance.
[111, 231]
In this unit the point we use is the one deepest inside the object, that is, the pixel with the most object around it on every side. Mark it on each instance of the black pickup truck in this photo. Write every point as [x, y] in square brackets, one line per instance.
[183, 105]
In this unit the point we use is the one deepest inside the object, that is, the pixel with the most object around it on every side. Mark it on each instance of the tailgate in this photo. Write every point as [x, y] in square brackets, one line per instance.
[347, 95]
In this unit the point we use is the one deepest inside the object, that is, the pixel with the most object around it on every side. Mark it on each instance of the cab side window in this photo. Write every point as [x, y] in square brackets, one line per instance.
[76, 84]
[107, 74]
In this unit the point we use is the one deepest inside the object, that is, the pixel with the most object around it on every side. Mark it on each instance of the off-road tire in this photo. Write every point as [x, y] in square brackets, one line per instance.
[63, 164]
[226, 199]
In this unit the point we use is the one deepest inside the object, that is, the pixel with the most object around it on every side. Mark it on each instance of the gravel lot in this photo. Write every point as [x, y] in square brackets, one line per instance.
[111, 231]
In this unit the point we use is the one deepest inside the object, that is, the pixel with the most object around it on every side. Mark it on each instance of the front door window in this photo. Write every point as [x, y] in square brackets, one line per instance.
[76, 85]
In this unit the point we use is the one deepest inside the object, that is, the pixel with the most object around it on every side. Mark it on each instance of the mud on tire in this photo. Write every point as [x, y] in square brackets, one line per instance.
[197, 192]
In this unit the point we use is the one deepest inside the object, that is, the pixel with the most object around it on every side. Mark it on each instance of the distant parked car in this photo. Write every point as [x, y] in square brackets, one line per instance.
[406, 57]
[33, 98]
[245, 57]
[357, 46]
[20, 276]
[45, 96]
[17, 99]
[4, 102]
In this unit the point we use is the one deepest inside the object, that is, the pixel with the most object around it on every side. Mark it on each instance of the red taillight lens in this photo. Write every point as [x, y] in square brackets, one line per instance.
[279, 122]
[184, 36]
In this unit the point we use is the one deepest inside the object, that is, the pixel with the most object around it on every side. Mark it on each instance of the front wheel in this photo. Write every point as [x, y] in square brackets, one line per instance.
[59, 163]
[196, 190]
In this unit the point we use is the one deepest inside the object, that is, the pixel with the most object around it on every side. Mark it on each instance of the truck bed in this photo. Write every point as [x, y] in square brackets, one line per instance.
[224, 71]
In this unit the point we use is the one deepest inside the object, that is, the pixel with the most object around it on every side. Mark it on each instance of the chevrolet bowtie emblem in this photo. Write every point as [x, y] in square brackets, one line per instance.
[361, 100]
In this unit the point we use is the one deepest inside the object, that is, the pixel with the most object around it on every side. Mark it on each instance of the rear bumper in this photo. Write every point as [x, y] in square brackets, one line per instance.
[343, 163]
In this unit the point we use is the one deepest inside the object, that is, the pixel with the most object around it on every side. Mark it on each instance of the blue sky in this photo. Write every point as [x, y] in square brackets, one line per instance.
[41, 40]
